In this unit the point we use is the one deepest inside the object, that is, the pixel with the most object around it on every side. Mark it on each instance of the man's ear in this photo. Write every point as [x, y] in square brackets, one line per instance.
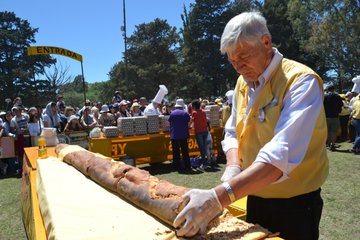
[266, 41]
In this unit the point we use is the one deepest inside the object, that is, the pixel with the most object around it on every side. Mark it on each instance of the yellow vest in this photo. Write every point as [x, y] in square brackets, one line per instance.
[255, 132]
[226, 112]
[356, 109]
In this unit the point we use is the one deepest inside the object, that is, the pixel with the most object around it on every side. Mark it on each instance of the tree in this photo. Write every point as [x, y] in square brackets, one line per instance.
[209, 72]
[152, 60]
[334, 37]
[17, 70]
[276, 14]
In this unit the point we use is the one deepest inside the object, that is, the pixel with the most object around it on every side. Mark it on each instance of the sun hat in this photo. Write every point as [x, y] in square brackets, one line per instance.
[73, 117]
[135, 104]
[218, 101]
[179, 103]
[123, 102]
[104, 108]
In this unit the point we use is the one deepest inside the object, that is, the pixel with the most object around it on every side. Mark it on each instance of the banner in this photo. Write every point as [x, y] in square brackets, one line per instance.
[40, 50]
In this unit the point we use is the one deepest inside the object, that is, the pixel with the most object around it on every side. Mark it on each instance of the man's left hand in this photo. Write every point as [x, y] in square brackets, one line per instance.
[203, 206]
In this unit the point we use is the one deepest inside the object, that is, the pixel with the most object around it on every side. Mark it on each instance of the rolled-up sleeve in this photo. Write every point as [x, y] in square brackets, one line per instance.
[230, 139]
[293, 132]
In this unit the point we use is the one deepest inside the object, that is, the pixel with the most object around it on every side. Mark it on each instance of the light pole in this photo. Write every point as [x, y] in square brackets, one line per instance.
[125, 42]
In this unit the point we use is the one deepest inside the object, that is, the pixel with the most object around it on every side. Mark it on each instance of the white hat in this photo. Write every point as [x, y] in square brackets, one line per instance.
[160, 94]
[180, 103]
[104, 108]
[135, 104]
[229, 94]
[124, 102]
[73, 117]
[356, 79]
[356, 87]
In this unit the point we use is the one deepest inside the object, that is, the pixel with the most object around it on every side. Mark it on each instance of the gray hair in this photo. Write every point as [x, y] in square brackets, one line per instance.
[246, 27]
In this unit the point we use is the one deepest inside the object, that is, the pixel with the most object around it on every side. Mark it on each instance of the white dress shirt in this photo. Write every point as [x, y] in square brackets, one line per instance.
[301, 107]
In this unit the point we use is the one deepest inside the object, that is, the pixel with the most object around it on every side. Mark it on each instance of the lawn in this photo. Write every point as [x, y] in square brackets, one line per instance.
[341, 194]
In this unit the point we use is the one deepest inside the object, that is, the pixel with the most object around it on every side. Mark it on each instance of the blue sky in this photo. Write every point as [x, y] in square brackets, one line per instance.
[91, 28]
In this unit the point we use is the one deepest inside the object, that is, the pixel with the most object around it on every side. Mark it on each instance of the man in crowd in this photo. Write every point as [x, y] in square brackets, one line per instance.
[275, 138]
[179, 133]
[333, 105]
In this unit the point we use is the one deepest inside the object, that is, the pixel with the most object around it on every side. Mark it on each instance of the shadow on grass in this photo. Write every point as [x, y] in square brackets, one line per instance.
[10, 175]
[158, 168]
[164, 168]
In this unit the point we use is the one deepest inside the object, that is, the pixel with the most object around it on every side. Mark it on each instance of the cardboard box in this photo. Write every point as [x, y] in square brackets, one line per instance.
[7, 147]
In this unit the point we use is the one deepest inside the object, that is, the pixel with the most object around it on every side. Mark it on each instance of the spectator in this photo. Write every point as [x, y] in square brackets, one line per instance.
[165, 110]
[18, 126]
[350, 98]
[17, 101]
[179, 134]
[87, 104]
[333, 105]
[64, 117]
[116, 98]
[355, 121]
[106, 119]
[73, 125]
[7, 133]
[344, 117]
[123, 112]
[34, 126]
[60, 104]
[2, 119]
[87, 121]
[135, 110]
[143, 103]
[199, 121]
[95, 113]
[6, 124]
[51, 117]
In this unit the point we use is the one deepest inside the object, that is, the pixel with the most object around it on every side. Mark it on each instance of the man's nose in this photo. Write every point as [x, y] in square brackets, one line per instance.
[238, 66]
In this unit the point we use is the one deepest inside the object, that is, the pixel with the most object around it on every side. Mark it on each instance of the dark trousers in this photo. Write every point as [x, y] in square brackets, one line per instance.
[295, 218]
[176, 145]
[344, 121]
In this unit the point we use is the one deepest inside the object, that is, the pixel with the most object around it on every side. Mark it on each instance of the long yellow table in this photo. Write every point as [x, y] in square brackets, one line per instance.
[151, 148]
[32, 218]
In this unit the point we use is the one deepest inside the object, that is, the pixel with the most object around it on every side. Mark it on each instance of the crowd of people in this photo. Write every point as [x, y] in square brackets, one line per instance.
[25, 125]
[275, 134]
[342, 117]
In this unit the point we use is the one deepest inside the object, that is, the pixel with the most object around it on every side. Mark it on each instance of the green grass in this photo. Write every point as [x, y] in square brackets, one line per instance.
[341, 194]
[11, 226]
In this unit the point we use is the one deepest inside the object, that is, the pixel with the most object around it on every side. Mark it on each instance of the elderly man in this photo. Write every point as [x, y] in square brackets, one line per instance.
[274, 141]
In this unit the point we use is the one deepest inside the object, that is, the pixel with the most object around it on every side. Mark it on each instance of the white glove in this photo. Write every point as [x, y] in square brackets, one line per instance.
[230, 171]
[202, 207]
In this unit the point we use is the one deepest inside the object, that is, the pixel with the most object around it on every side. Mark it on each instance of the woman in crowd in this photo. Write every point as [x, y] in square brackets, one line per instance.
[73, 125]
[198, 117]
[123, 112]
[106, 118]
[51, 117]
[135, 110]
[87, 120]
[34, 127]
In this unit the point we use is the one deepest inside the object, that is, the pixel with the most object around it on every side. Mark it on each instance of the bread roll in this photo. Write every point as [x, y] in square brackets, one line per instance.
[158, 197]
